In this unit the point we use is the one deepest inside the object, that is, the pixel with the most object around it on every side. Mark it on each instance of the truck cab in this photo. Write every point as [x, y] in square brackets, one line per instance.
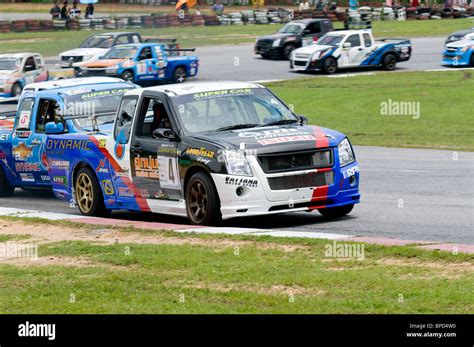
[61, 111]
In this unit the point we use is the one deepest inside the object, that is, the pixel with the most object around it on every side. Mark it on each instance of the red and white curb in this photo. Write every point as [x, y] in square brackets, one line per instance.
[182, 228]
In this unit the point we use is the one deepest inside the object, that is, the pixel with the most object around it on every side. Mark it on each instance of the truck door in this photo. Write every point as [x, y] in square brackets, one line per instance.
[31, 70]
[312, 33]
[146, 64]
[154, 162]
[355, 54]
[28, 150]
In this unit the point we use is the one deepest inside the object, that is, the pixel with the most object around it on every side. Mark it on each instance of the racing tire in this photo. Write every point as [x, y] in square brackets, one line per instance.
[179, 75]
[6, 189]
[16, 89]
[471, 62]
[329, 66]
[336, 212]
[287, 51]
[88, 194]
[127, 76]
[389, 62]
[202, 200]
[265, 56]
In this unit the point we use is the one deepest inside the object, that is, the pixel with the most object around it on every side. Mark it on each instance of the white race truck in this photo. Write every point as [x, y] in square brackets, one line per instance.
[348, 49]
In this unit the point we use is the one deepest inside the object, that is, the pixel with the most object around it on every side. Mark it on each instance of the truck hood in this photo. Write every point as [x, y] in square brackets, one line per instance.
[460, 44]
[275, 36]
[103, 63]
[6, 72]
[275, 139]
[81, 52]
[311, 49]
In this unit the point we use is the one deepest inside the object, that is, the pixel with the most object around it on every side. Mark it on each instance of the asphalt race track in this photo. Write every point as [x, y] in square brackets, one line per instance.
[406, 193]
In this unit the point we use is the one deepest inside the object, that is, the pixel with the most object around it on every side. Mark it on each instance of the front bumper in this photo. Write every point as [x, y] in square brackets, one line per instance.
[96, 72]
[456, 58]
[257, 198]
[305, 65]
[268, 50]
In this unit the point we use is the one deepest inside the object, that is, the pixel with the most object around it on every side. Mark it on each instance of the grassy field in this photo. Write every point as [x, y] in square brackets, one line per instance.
[166, 272]
[352, 105]
[52, 43]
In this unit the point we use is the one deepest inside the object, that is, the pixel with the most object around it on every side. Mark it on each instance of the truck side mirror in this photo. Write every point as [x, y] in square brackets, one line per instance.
[164, 133]
[347, 45]
[303, 119]
[52, 128]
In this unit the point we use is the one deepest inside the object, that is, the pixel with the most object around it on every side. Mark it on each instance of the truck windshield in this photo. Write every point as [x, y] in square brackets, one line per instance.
[291, 28]
[121, 53]
[99, 41]
[10, 64]
[330, 40]
[102, 103]
[230, 109]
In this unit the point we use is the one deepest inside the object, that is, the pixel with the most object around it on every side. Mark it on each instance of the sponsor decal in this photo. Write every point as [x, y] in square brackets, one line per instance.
[68, 144]
[222, 93]
[102, 143]
[124, 191]
[168, 150]
[44, 159]
[45, 178]
[205, 161]
[24, 120]
[27, 167]
[22, 152]
[350, 172]
[104, 93]
[200, 152]
[238, 181]
[286, 139]
[119, 148]
[273, 133]
[168, 172]
[108, 187]
[60, 164]
[23, 134]
[27, 177]
[4, 137]
[101, 168]
[146, 167]
[61, 180]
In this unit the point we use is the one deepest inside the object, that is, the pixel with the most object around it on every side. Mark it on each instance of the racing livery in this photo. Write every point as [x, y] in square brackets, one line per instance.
[23, 161]
[350, 49]
[459, 53]
[19, 69]
[206, 151]
[143, 62]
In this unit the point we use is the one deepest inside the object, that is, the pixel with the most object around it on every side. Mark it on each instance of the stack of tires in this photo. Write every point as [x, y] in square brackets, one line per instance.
[307, 14]
[211, 20]
[342, 16]
[224, 19]
[172, 20]
[147, 21]
[135, 22]
[85, 24]
[248, 17]
[160, 21]
[411, 13]
[261, 17]
[5, 26]
[400, 13]
[236, 18]
[59, 24]
[122, 22]
[424, 13]
[297, 15]
[72, 24]
[97, 24]
[110, 23]
[18, 25]
[197, 20]
[318, 14]
[46, 25]
[185, 20]
[32, 25]
[331, 15]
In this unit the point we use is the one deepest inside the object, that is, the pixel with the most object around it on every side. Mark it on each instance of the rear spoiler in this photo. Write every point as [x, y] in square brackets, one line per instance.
[4, 115]
[180, 49]
[360, 24]
[157, 39]
[394, 39]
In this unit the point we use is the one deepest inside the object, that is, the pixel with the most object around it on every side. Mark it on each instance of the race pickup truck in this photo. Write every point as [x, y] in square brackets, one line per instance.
[206, 151]
[23, 161]
[350, 49]
[19, 69]
[143, 62]
[460, 53]
[97, 46]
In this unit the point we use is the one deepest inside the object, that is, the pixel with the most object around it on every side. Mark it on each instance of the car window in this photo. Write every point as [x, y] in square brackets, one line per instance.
[314, 28]
[123, 125]
[30, 64]
[153, 116]
[25, 111]
[38, 61]
[136, 39]
[367, 40]
[48, 111]
[354, 40]
[145, 53]
[122, 40]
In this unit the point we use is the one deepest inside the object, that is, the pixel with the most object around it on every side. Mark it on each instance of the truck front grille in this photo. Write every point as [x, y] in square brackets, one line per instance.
[294, 161]
[307, 180]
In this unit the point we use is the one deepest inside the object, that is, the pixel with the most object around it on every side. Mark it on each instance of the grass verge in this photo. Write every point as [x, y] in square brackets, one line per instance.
[163, 272]
[352, 105]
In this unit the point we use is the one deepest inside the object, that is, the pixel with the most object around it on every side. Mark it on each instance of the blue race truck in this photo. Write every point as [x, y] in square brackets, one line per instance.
[459, 53]
[143, 62]
[23, 161]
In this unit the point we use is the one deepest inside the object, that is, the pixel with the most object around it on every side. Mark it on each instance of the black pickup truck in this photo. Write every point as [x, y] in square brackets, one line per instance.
[291, 36]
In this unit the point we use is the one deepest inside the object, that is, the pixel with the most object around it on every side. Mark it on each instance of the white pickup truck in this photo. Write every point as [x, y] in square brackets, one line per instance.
[349, 49]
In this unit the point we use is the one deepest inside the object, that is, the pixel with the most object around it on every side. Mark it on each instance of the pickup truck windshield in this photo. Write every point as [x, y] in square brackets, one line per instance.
[230, 109]
[10, 64]
[100, 41]
[102, 103]
[330, 40]
[291, 28]
[121, 53]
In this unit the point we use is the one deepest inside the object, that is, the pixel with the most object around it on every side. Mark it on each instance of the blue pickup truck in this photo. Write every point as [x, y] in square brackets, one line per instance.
[143, 62]
[23, 161]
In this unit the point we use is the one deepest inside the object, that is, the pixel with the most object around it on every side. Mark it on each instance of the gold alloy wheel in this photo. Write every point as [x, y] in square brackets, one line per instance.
[84, 193]
[198, 201]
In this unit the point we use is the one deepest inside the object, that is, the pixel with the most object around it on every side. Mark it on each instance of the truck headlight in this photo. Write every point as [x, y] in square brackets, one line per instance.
[237, 164]
[276, 43]
[112, 69]
[346, 154]
[465, 49]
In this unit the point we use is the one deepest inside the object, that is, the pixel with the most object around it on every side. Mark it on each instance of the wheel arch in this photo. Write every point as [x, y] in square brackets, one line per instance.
[191, 171]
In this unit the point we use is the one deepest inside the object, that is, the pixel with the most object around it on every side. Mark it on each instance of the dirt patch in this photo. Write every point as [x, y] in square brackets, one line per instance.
[37, 40]
[48, 260]
[451, 267]
[44, 233]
